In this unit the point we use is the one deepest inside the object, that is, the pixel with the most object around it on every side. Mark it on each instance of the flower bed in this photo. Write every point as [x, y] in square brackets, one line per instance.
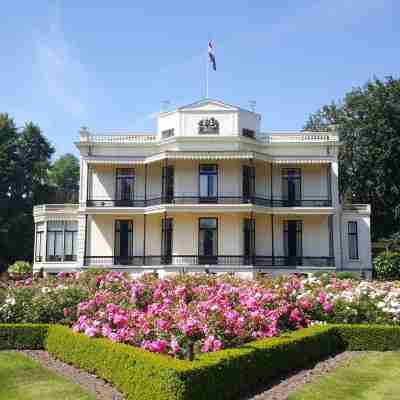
[225, 374]
[186, 315]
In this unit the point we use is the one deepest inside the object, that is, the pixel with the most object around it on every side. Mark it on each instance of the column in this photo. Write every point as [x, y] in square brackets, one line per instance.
[336, 223]
[83, 239]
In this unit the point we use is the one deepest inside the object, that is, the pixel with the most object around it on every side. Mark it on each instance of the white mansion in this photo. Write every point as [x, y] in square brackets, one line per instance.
[207, 192]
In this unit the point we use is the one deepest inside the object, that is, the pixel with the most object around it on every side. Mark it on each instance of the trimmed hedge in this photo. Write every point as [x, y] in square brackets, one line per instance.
[223, 375]
[23, 336]
[226, 374]
[369, 337]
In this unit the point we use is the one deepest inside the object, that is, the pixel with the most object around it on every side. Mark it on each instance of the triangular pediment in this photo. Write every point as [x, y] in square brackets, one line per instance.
[208, 105]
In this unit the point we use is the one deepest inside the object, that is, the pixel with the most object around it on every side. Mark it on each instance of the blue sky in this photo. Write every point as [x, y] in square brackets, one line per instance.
[109, 65]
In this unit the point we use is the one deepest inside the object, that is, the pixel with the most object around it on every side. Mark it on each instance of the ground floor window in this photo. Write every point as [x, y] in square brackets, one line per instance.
[249, 235]
[123, 242]
[208, 241]
[39, 242]
[61, 240]
[293, 242]
[166, 240]
[353, 240]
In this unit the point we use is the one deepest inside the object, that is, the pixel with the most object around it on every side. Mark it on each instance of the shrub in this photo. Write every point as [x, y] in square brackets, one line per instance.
[22, 336]
[44, 303]
[22, 269]
[223, 375]
[369, 337]
[345, 275]
[387, 266]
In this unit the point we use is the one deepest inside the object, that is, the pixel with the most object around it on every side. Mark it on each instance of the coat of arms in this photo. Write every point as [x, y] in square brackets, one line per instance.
[208, 125]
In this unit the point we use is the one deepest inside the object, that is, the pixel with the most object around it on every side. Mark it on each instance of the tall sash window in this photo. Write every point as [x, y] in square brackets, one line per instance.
[125, 183]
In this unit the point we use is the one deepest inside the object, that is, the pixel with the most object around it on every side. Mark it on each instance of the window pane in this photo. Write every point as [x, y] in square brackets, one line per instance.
[55, 225]
[71, 226]
[59, 244]
[353, 227]
[68, 243]
[212, 185]
[50, 243]
[203, 185]
[208, 223]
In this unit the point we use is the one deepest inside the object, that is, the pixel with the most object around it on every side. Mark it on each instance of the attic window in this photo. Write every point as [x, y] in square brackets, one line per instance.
[167, 133]
[248, 133]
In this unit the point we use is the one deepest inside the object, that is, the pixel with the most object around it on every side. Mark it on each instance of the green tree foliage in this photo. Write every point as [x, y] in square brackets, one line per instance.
[368, 122]
[24, 161]
[64, 173]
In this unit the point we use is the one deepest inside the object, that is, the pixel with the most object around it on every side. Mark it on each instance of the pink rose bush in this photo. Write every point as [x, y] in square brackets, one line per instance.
[188, 314]
[206, 313]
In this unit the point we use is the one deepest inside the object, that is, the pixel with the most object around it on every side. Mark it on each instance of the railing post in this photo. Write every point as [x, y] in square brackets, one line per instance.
[144, 239]
[272, 240]
[145, 185]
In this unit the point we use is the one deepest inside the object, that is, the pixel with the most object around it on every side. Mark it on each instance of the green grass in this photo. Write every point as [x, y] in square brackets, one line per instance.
[371, 376]
[22, 378]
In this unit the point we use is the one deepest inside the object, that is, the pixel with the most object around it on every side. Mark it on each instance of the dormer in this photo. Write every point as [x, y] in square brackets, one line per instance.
[208, 118]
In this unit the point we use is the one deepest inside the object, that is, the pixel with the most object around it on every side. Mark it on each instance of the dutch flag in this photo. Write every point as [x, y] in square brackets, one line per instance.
[211, 55]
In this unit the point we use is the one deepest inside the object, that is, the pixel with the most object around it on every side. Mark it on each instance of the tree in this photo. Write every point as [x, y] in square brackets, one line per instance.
[368, 122]
[24, 162]
[64, 173]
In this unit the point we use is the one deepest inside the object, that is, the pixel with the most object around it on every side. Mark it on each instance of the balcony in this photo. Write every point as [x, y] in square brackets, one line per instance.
[223, 263]
[186, 200]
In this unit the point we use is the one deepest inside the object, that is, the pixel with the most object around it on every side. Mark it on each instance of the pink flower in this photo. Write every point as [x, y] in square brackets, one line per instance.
[66, 312]
[328, 307]
[91, 331]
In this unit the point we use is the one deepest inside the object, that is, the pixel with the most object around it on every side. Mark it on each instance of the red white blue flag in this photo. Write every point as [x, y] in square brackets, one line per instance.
[211, 55]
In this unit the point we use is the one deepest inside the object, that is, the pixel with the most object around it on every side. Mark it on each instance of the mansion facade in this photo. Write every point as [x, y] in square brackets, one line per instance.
[208, 192]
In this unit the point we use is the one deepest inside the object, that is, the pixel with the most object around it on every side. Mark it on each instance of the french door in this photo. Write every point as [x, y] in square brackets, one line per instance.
[249, 240]
[123, 242]
[168, 184]
[208, 241]
[249, 182]
[166, 240]
[125, 181]
[208, 183]
[291, 186]
[293, 242]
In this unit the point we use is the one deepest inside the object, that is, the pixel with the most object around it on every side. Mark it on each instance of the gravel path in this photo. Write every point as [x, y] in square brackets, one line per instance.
[89, 382]
[278, 390]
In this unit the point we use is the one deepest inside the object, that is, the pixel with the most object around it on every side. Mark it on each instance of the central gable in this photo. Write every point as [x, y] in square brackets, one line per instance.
[208, 105]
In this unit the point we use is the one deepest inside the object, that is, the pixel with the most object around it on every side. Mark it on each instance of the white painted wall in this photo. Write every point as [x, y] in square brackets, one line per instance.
[364, 242]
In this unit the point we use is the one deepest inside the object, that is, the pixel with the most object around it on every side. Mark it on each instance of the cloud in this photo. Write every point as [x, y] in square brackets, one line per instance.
[59, 68]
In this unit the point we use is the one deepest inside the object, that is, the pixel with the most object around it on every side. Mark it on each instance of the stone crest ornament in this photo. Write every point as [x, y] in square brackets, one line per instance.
[208, 125]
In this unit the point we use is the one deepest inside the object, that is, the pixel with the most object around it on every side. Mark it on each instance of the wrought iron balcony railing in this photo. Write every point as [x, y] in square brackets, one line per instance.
[188, 200]
[174, 261]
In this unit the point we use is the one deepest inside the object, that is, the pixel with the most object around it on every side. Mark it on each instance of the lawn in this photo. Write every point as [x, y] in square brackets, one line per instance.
[24, 379]
[371, 376]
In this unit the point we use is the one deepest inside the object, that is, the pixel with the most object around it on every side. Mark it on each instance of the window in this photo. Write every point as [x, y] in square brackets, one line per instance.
[291, 186]
[167, 133]
[62, 240]
[293, 242]
[249, 181]
[125, 186]
[70, 240]
[249, 236]
[208, 241]
[166, 240]
[248, 133]
[208, 182]
[123, 242]
[39, 242]
[353, 240]
[168, 184]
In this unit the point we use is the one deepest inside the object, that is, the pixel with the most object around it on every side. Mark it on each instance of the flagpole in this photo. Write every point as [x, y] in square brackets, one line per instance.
[207, 68]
